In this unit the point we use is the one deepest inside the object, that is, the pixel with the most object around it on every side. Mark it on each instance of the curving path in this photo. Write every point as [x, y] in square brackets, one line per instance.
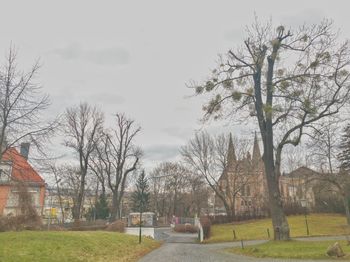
[182, 248]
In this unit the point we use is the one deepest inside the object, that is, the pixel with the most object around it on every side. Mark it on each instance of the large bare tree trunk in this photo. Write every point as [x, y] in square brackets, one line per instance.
[233, 208]
[115, 208]
[77, 206]
[279, 220]
[272, 173]
[230, 211]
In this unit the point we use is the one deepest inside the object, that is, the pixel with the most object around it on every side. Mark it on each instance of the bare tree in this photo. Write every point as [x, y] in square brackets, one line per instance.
[22, 105]
[295, 157]
[323, 144]
[97, 166]
[287, 81]
[171, 189]
[198, 190]
[159, 191]
[328, 150]
[58, 172]
[70, 185]
[119, 158]
[208, 158]
[82, 127]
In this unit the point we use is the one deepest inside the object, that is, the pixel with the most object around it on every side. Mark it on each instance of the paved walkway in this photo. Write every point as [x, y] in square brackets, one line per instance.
[182, 248]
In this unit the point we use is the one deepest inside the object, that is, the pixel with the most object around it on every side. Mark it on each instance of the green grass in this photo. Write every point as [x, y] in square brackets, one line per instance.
[291, 249]
[319, 225]
[72, 246]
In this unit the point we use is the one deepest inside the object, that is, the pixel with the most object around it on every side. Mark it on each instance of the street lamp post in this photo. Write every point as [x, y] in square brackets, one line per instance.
[303, 203]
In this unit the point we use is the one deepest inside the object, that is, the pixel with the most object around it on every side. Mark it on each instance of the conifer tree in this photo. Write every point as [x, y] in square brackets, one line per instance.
[344, 155]
[101, 206]
[140, 197]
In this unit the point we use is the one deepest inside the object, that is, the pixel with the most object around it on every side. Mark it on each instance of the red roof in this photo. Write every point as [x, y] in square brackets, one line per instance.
[21, 169]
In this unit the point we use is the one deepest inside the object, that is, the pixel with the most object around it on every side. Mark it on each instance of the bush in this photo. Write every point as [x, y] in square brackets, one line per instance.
[206, 225]
[79, 225]
[185, 228]
[21, 222]
[117, 226]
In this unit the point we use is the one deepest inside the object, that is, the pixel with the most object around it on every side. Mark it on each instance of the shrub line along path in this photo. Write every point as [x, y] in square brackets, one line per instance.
[180, 247]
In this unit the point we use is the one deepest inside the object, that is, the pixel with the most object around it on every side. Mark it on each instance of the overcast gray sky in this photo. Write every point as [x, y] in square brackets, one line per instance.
[136, 56]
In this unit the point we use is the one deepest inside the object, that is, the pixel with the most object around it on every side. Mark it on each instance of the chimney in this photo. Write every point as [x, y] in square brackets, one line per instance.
[25, 150]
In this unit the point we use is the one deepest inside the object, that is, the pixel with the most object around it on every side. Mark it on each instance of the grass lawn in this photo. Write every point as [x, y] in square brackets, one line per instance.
[319, 225]
[291, 249]
[72, 246]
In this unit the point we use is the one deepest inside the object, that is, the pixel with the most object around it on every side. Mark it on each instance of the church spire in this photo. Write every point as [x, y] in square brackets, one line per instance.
[256, 150]
[231, 156]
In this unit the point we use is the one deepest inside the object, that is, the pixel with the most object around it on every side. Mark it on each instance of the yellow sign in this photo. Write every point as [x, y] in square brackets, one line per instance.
[53, 212]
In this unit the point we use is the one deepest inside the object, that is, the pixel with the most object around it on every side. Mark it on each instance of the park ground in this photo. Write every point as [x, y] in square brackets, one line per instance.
[28, 246]
[325, 229]
[180, 251]
[111, 246]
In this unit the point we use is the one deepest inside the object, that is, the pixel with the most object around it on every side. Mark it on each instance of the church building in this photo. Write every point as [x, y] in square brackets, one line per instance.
[244, 186]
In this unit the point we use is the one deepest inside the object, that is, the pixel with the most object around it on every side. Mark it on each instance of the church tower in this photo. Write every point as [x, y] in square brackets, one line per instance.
[231, 155]
[256, 153]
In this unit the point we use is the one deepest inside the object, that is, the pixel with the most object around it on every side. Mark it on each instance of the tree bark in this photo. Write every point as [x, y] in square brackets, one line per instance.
[229, 211]
[140, 228]
[115, 207]
[233, 208]
[279, 221]
[77, 206]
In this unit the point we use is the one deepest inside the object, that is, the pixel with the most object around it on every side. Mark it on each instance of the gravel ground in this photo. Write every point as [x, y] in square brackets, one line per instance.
[182, 248]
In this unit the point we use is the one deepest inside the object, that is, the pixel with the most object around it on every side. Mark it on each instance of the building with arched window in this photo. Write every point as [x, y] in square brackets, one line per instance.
[244, 186]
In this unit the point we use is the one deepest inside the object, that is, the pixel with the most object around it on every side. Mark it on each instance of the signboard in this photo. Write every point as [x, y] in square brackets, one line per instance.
[148, 219]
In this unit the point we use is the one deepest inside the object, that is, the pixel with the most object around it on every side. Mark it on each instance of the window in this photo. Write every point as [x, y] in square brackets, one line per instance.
[292, 190]
[5, 171]
[12, 200]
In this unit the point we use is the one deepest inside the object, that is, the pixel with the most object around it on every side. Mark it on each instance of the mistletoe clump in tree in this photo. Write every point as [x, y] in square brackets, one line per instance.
[285, 81]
